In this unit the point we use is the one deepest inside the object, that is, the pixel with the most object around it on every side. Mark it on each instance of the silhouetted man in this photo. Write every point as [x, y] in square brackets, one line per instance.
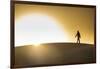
[78, 36]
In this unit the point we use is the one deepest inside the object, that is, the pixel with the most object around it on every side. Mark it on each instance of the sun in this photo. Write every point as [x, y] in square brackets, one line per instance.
[36, 44]
[38, 28]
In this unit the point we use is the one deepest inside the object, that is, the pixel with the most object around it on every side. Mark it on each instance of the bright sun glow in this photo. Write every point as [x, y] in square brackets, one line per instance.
[36, 29]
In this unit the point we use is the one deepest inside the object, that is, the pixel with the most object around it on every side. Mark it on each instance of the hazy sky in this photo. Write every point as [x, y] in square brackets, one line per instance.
[62, 22]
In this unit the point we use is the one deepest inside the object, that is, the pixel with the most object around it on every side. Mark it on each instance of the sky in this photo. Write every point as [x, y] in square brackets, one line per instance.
[45, 23]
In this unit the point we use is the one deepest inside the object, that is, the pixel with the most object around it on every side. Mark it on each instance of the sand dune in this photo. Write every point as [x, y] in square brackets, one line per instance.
[54, 54]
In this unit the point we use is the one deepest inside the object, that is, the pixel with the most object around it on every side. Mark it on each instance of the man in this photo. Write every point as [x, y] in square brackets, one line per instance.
[78, 36]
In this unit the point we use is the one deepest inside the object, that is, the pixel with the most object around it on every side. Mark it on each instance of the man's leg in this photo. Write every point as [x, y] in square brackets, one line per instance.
[79, 40]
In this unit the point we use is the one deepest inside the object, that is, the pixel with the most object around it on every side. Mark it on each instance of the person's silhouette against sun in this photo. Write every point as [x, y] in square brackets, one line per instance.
[78, 35]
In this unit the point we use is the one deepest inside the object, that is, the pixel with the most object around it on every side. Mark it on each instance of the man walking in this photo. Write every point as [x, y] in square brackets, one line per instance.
[78, 36]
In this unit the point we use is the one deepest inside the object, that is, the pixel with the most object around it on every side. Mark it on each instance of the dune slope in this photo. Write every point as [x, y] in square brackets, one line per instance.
[54, 54]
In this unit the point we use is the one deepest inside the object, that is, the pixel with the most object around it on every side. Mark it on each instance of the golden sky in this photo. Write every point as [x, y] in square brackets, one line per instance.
[70, 19]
